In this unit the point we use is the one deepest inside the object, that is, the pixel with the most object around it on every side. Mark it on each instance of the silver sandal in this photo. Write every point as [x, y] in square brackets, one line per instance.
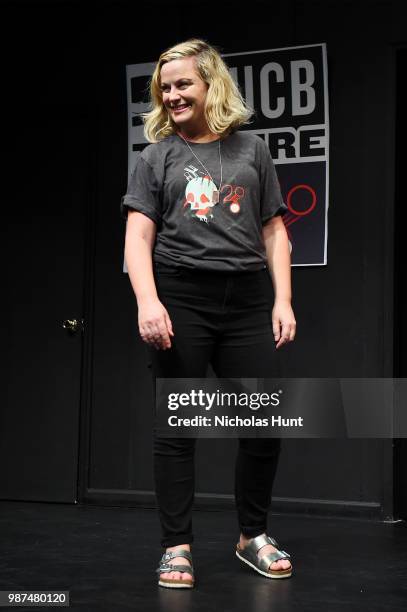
[169, 567]
[248, 555]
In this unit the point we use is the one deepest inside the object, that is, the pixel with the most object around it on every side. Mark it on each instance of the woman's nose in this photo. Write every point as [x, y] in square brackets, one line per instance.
[174, 95]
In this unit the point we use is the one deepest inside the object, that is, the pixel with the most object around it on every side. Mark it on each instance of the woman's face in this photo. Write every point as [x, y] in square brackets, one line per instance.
[184, 93]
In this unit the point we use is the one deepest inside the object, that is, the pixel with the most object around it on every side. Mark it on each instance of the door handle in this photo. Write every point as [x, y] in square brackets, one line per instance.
[73, 325]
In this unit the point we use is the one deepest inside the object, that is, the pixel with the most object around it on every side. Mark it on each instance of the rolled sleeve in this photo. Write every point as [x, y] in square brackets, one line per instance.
[271, 200]
[143, 192]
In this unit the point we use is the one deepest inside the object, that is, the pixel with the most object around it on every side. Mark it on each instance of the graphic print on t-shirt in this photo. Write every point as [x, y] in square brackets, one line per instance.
[201, 195]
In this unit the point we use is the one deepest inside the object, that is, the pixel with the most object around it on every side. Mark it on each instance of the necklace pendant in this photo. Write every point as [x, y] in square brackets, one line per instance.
[216, 192]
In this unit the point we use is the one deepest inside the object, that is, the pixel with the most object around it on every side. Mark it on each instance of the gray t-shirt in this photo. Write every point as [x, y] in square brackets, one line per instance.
[198, 228]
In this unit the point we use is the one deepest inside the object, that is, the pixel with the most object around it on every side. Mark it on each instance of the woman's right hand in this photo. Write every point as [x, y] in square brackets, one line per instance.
[155, 324]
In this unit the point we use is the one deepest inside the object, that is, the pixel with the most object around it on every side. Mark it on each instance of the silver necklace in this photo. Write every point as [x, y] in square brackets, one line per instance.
[204, 167]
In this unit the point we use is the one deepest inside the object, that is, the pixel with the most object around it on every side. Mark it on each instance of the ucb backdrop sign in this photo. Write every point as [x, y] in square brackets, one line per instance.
[288, 89]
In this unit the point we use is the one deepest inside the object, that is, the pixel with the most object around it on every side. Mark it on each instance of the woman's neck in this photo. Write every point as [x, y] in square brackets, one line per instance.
[198, 136]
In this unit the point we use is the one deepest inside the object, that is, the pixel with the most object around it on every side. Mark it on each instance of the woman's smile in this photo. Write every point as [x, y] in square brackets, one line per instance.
[180, 108]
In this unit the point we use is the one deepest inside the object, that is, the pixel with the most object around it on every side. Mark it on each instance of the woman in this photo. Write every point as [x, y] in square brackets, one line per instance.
[204, 225]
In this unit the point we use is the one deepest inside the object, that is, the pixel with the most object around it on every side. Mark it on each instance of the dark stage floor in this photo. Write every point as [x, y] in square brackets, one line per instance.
[106, 558]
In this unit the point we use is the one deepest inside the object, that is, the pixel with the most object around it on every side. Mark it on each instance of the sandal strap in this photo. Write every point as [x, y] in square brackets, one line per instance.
[169, 567]
[176, 553]
[250, 552]
[165, 566]
[265, 562]
[262, 540]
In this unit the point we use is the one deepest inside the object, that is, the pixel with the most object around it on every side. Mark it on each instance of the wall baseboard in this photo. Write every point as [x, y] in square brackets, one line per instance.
[218, 502]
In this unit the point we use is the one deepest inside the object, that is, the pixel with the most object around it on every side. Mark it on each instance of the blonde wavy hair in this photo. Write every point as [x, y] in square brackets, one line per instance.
[225, 108]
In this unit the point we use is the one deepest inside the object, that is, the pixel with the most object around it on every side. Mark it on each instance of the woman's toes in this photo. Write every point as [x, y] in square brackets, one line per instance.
[282, 564]
[171, 575]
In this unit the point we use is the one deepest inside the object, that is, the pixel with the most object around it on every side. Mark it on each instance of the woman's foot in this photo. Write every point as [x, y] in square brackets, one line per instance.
[281, 564]
[178, 561]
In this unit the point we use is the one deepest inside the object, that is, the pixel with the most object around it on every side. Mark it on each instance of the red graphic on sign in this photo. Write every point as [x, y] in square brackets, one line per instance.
[293, 214]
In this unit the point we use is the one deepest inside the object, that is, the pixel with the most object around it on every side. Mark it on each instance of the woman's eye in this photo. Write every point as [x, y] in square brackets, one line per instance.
[166, 89]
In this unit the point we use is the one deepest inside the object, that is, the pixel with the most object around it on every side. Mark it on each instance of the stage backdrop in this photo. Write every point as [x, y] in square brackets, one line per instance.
[288, 89]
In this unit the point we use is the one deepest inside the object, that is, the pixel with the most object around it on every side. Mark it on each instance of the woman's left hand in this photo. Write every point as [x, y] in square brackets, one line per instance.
[284, 324]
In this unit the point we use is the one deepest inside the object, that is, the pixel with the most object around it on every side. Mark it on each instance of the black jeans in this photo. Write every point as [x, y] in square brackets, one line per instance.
[225, 320]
